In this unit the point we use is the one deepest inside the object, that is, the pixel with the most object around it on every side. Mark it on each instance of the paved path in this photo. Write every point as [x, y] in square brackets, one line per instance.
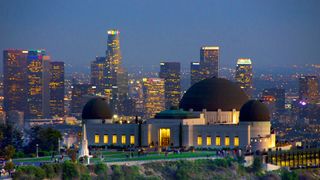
[132, 163]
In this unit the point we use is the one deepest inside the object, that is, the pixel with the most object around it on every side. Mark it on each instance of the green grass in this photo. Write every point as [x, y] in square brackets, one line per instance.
[119, 156]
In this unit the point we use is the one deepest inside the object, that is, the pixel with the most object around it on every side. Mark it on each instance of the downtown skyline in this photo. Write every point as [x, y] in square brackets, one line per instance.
[272, 34]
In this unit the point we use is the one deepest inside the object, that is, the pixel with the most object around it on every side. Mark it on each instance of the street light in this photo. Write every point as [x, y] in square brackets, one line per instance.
[37, 145]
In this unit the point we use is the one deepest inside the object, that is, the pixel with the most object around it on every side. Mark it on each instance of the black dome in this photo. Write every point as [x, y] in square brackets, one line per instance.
[254, 110]
[97, 108]
[213, 94]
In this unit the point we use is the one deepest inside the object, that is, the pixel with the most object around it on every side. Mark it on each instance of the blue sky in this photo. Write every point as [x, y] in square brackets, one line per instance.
[271, 32]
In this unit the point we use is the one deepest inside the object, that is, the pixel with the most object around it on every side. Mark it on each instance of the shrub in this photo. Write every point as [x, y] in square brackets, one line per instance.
[69, 170]
[29, 172]
[100, 168]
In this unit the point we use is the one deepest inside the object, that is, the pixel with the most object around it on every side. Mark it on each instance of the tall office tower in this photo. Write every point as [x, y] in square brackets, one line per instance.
[244, 75]
[209, 61]
[195, 72]
[81, 94]
[113, 59]
[275, 99]
[38, 77]
[57, 89]
[15, 80]
[136, 94]
[308, 89]
[97, 73]
[170, 72]
[154, 99]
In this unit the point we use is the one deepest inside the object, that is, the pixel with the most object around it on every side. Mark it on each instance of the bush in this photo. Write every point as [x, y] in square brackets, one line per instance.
[29, 172]
[69, 170]
[52, 170]
[286, 175]
[100, 168]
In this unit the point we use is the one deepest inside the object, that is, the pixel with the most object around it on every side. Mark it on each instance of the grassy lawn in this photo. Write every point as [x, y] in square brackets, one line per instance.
[121, 156]
[40, 159]
[115, 156]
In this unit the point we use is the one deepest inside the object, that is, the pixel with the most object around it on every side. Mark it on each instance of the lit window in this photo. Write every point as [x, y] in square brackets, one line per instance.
[199, 140]
[123, 139]
[218, 141]
[227, 141]
[236, 141]
[105, 139]
[114, 139]
[132, 139]
[96, 139]
[208, 140]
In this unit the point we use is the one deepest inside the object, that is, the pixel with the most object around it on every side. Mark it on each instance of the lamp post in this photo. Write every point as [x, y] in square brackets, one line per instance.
[59, 146]
[37, 150]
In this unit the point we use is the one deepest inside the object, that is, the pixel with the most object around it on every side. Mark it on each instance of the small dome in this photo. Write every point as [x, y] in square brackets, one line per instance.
[213, 94]
[253, 111]
[97, 108]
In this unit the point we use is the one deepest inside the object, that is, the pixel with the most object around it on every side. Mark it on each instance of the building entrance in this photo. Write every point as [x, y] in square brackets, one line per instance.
[164, 136]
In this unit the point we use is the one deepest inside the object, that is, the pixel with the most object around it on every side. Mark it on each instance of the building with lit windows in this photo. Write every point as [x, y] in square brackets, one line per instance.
[38, 91]
[195, 75]
[209, 62]
[15, 80]
[154, 98]
[57, 89]
[81, 93]
[275, 99]
[188, 126]
[170, 72]
[97, 73]
[244, 75]
[308, 89]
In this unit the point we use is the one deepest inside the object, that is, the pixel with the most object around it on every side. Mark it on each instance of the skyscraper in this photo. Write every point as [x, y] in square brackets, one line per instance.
[81, 94]
[170, 72]
[308, 89]
[57, 89]
[38, 77]
[97, 73]
[116, 76]
[209, 61]
[113, 61]
[244, 75]
[15, 80]
[195, 72]
[154, 99]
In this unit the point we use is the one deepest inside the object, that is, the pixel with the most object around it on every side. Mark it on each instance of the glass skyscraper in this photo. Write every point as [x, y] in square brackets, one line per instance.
[209, 61]
[244, 75]
[195, 73]
[57, 89]
[170, 72]
[154, 98]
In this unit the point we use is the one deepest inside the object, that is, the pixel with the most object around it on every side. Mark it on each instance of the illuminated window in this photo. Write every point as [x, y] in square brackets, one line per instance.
[236, 141]
[105, 139]
[208, 140]
[199, 140]
[123, 139]
[218, 141]
[96, 139]
[227, 141]
[132, 139]
[114, 139]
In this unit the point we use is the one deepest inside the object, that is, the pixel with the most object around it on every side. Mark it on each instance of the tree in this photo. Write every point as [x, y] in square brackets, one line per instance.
[9, 166]
[9, 152]
[10, 136]
[257, 164]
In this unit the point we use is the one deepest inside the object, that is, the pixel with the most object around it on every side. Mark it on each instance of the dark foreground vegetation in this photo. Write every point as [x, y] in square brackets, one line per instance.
[198, 169]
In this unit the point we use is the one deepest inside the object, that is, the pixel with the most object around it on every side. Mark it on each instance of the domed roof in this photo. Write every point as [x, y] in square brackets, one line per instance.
[254, 110]
[213, 94]
[97, 108]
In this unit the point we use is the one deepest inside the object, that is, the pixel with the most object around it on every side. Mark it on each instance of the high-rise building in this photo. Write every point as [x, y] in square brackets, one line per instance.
[15, 84]
[38, 77]
[81, 94]
[97, 73]
[154, 99]
[209, 61]
[113, 59]
[170, 72]
[15, 80]
[116, 77]
[195, 72]
[308, 89]
[244, 75]
[57, 89]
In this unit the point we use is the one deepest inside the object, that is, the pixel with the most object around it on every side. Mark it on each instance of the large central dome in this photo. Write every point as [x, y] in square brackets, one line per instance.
[213, 94]
[96, 108]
